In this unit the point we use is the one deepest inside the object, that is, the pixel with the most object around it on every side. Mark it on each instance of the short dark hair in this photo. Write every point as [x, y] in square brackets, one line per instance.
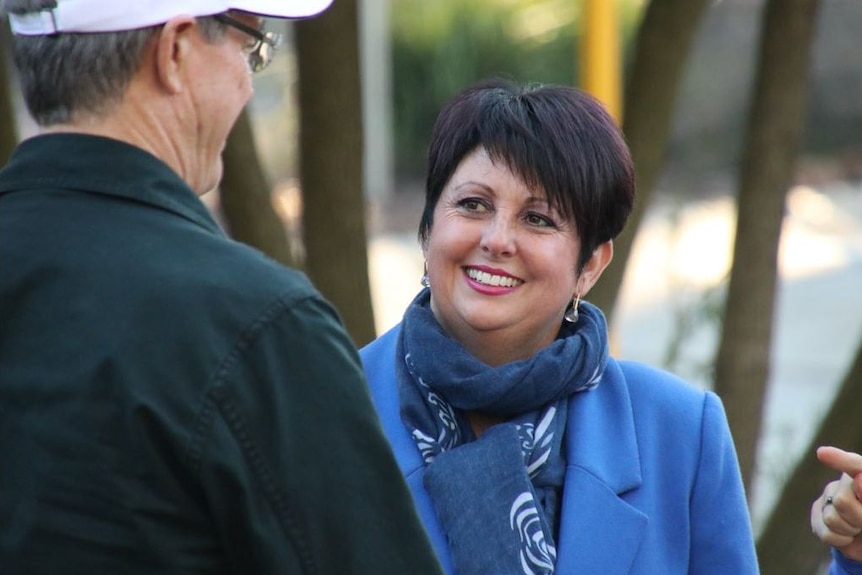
[63, 75]
[558, 139]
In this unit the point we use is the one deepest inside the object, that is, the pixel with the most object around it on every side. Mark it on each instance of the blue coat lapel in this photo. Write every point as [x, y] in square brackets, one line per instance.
[378, 360]
[603, 463]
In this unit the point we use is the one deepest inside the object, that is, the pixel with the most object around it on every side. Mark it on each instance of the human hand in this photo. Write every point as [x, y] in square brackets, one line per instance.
[836, 516]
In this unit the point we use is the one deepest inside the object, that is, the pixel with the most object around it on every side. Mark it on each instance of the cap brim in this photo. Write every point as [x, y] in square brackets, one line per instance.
[92, 16]
[281, 8]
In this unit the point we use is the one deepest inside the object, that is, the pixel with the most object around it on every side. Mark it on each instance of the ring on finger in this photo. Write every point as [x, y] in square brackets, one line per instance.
[827, 502]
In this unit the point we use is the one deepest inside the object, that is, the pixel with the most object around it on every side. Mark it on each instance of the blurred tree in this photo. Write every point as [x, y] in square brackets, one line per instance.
[785, 545]
[8, 132]
[773, 138]
[331, 164]
[245, 196]
[661, 49]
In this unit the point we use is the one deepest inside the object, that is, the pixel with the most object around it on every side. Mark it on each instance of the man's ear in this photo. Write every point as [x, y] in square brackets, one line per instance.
[595, 266]
[174, 45]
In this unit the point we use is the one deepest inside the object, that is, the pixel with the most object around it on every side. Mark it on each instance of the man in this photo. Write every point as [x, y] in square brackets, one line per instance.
[170, 401]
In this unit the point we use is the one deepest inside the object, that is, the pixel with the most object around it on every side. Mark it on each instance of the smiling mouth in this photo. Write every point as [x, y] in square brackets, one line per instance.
[491, 279]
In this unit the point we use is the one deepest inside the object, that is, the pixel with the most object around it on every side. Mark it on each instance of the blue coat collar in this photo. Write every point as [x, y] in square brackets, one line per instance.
[603, 463]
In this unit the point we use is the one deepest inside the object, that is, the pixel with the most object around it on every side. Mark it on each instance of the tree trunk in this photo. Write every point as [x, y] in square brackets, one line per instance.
[662, 47]
[8, 133]
[331, 164]
[786, 545]
[773, 137]
[246, 196]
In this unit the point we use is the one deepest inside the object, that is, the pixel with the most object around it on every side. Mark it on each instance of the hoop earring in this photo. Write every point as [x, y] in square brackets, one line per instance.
[572, 313]
[424, 279]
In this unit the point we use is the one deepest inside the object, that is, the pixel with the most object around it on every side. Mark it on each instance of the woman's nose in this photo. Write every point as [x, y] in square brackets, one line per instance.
[498, 237]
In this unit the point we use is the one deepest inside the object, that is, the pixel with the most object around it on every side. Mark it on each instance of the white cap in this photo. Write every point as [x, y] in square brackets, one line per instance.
[116, 15]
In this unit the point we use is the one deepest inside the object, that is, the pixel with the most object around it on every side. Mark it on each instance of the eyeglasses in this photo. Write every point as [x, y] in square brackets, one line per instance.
[261, 52]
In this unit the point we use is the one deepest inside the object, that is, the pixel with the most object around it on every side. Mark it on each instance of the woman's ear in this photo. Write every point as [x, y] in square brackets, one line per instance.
[595, 266]
[174, 45]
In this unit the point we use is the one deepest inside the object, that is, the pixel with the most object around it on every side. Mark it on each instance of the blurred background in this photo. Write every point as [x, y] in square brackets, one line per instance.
[741, 269]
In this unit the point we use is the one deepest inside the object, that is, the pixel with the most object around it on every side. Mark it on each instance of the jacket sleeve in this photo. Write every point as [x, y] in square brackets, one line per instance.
[843, 566]
[721, 538]
[295, 467]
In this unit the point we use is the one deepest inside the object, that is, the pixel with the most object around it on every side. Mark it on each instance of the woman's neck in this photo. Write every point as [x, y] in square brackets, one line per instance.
[479, 422]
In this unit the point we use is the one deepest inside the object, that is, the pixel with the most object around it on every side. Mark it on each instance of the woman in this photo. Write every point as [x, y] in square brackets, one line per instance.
[528, 449]
[836, 516]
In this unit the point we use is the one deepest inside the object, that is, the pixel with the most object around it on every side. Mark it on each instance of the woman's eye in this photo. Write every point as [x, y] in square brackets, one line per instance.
[539, 220]
[471, 204]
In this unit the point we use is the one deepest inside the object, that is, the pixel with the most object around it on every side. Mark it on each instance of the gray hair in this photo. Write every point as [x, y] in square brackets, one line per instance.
[65, 75]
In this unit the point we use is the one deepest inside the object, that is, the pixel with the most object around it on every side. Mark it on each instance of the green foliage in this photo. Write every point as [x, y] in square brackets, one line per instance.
[441, 46]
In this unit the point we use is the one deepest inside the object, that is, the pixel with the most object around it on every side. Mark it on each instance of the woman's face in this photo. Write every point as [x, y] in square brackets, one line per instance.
[501, 262]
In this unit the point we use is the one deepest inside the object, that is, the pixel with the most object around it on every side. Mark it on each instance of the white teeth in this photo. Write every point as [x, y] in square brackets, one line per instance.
[492, 280]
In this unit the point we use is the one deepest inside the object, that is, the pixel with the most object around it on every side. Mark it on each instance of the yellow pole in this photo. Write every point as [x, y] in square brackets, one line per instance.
[600, 54]
[600, 69]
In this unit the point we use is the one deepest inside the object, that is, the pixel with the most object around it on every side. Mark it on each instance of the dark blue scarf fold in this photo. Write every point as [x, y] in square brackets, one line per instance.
[496, 497]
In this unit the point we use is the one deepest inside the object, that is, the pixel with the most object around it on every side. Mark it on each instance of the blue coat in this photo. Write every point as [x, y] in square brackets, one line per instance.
[842, 566]
[652, 480]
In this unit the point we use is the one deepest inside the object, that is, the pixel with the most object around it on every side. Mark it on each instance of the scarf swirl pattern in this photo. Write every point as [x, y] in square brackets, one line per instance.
[496, 497]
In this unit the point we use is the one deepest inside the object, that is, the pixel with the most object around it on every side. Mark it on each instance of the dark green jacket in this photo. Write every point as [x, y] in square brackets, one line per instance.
[172, 401]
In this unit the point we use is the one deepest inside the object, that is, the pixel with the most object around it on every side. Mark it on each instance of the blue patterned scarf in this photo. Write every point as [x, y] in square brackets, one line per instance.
[496, 497]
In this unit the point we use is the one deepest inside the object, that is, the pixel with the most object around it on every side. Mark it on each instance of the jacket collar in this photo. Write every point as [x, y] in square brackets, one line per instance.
[98, 165]
[601, 437]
